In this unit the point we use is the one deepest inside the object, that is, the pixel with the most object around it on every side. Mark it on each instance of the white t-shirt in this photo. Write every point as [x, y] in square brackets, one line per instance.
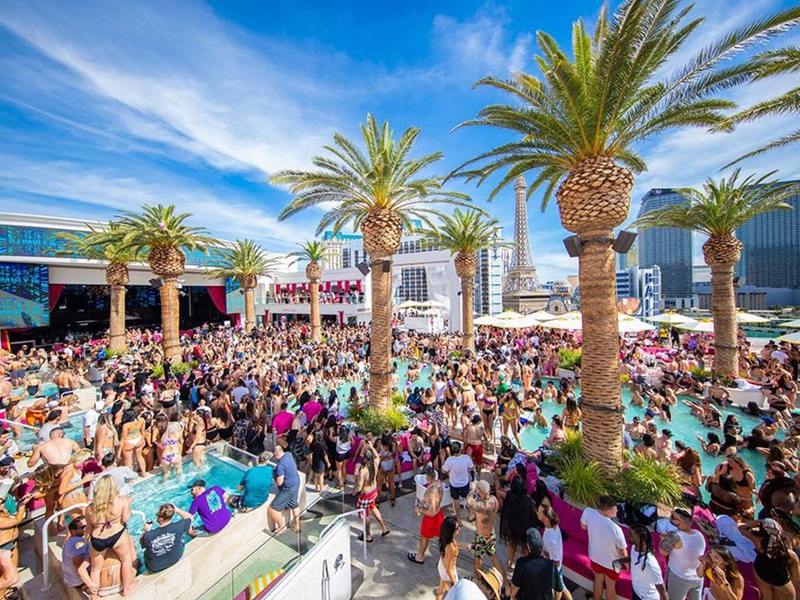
[605, 538]
[553, 544]
[744, 550]
[684, 561]
[645, 575]
[458, 468]
[90, 418]
[465, 589]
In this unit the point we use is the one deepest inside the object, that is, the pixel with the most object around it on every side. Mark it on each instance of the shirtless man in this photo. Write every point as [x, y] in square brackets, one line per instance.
[366, 489]
[474, 439]
[430, 508]
[66, 381]
[57, 451]
[485, 506]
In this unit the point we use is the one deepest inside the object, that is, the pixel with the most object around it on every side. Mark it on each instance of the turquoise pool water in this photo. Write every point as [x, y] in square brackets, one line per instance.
[73, 432]
[684, 427]
[151, 493]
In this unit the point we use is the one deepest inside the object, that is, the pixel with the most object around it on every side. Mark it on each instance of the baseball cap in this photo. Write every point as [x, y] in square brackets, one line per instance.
[6, 461]
[666, 432]
[198, 483]
[768, 420]
[535, 542]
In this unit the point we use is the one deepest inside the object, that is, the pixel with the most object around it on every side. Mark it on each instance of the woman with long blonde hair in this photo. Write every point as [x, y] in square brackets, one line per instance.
[105, 439]
[70, 487]
[106, 517]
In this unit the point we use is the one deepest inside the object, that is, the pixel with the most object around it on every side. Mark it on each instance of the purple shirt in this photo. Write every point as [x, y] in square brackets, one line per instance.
[312, 409]
[211, 507]
[282, 422]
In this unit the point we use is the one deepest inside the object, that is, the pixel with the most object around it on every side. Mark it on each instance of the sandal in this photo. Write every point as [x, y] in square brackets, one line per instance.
[385, 533]
[361, 538]
[413, 558]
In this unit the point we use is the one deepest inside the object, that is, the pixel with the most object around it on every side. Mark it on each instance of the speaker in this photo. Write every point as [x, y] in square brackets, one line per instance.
[738, 281]
[386, 266]
[624, 241]
[574, 246]
[363, 267]
[156, 282]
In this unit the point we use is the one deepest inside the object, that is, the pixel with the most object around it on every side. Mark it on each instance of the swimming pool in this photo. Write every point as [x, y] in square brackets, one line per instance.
[152, 492]
[684, 428]
[74, 432]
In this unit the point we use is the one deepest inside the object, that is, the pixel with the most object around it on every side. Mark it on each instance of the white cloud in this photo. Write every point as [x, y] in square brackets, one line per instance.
[108, 193]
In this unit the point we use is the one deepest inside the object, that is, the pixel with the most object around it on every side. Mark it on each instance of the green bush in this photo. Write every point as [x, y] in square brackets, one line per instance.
[398, 399]
[377, 421]
[570, 358]
[567, 451]
[700, 374]
[179, 368]
[583, 481]
[644, 480]
[158, 371]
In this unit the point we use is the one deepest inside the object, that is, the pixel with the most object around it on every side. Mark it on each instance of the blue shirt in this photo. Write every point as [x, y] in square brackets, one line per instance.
[211, 507]
[287, 468]
[256, 482]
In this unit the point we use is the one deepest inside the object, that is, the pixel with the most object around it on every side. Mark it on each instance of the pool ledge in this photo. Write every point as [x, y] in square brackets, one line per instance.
[205, 560]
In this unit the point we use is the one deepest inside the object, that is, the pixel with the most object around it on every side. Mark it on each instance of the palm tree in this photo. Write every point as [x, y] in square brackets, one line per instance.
[381, 191]
[95, 245]
[464, 234]
[769, 64]
[162, 236]
[718, 210]
[314, 252]
[578, 124]
[244, 262]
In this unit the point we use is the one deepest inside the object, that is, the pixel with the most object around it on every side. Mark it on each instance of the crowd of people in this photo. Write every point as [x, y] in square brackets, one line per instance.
[275, 384]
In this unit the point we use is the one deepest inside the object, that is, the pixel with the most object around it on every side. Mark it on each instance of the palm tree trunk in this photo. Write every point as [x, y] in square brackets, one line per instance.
[316, 322]
[380, 336]
[467, 307]
[249, 309]
[170, 319]
[116, 320]
[600, 401]
[723, 311]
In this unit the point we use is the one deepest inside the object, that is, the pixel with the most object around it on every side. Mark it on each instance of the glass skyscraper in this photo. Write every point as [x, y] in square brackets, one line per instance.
[667, 247]
[771, 253]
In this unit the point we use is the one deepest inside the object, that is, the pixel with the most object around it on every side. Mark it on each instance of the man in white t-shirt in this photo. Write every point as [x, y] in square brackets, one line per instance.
[684, 548]
[90, 418]
[606, 544]
[458, 468]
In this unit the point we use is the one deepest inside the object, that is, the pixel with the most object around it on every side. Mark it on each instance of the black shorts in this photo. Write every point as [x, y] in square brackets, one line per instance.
[286, 498]
[459, 492]
[318, 466]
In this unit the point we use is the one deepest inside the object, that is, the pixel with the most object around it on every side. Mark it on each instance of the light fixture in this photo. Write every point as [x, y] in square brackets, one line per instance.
[363, 267]
[624, 241]
[156, 282]
[574, 246]
[386, 265]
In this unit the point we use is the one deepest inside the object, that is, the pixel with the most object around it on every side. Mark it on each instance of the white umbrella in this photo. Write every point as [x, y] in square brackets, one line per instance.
[793, 324]
[704, 326]
[543, 315]
[743, 317]
[629, 324]
[433, 304]
[508, 314]
[792, 338]
[572, 324]
[486, 320]
[670, 318]
[521, 323]
[408, 304]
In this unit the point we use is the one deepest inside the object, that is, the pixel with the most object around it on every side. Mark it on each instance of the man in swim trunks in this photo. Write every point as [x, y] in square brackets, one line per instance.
[474, 438]
[366, 489]
[57, 451]
[485, 507]
[430, 507]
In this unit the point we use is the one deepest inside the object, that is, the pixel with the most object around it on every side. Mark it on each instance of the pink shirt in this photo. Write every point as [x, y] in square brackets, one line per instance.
[312, 409]
[282, 422]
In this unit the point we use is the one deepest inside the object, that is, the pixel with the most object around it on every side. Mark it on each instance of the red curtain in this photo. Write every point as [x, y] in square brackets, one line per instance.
[54, 291]
[217, 293]
[277, 288]
[327, 286]
[358, 285]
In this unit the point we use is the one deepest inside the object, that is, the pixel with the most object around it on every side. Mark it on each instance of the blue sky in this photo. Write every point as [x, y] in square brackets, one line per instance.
[108, 105]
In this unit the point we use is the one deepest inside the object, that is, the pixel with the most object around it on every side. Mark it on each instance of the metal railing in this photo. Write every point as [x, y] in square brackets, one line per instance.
[46, 585]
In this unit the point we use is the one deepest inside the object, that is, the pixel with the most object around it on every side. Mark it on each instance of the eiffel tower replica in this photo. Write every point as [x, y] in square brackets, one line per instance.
[522, 291]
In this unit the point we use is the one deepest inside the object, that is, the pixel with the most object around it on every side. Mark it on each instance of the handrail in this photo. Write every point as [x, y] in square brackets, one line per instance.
[342, 517]
[20, 424]
[46, 538]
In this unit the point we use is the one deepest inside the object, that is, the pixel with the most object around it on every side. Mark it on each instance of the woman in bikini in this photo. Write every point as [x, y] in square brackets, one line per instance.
[172, 448]
[196, 442]
[743, 479]
[105, 439]
[510, 406]
[132, 440]
[70, 487]
[106, 517]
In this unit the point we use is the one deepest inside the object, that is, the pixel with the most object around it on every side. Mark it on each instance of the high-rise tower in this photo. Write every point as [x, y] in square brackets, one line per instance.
[521, 289]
